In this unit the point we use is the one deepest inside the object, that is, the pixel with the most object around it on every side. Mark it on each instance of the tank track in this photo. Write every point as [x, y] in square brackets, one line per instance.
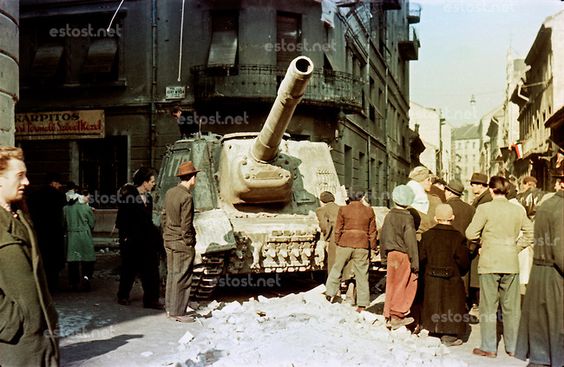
[205, 276]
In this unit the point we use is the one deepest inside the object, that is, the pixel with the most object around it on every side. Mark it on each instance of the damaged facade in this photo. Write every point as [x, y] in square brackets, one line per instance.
[540, 97]
[120, 82]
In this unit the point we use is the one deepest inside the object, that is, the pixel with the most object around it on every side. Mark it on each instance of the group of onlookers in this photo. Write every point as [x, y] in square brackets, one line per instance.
[450, 263]
[427, 242]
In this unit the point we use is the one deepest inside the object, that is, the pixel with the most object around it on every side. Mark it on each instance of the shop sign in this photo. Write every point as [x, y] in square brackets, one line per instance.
[83, 124]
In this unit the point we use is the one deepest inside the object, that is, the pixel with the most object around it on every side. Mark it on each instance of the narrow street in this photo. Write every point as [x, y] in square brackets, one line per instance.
[96, 331]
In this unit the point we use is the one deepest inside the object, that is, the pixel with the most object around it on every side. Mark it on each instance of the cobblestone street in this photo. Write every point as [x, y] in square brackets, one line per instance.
[96, 331]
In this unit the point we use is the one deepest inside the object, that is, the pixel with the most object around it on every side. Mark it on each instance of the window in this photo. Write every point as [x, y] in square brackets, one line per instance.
[288, 38]
[223, 47]
[71, 49]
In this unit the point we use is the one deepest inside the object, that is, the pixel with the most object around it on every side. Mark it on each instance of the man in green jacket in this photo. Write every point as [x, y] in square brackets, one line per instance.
[27, 315]
[499, 223]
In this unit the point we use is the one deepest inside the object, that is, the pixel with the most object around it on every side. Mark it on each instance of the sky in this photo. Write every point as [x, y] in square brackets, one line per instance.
[464, 44]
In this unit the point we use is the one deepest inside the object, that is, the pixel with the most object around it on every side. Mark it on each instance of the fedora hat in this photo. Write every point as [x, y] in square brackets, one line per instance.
[186, 169]
[479, 178]
[456, 187]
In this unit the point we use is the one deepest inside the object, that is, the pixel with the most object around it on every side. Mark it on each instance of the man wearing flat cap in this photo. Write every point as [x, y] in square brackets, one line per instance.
[179, 237]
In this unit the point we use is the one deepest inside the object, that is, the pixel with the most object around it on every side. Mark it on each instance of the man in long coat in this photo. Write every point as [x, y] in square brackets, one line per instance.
[27, 315]
[499, 224]
[179, 237]
[443, 257]
[463, 214]
[541, 337]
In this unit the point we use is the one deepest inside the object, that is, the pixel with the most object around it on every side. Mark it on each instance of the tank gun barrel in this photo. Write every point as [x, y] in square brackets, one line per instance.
[290, 93]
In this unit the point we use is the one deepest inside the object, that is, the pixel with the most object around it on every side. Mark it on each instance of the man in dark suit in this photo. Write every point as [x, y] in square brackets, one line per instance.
[179, 237]
[140, 246]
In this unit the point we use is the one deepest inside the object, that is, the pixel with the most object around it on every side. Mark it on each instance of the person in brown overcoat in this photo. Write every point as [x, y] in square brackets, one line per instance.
[28, 319]
[444, 258]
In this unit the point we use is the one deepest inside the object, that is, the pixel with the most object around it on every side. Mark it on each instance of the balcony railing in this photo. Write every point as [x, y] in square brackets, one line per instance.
[260, 82]
[414, 13]
[409, 49]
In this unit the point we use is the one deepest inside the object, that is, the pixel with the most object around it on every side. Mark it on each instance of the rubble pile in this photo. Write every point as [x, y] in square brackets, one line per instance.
[304, 330]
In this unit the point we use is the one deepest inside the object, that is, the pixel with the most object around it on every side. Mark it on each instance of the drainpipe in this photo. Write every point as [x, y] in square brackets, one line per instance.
[153, 115]
[387, 167]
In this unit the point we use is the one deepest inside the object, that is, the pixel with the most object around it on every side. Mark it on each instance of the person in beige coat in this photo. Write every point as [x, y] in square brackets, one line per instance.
[499, 223]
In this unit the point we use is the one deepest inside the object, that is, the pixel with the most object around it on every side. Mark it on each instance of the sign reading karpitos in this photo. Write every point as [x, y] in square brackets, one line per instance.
[83, 124]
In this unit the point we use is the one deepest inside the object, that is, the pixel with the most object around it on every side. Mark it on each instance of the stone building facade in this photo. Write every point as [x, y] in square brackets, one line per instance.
[540, 97]
[96, 98]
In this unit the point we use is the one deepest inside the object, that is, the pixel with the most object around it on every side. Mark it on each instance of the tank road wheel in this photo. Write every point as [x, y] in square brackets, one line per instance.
[205, 276]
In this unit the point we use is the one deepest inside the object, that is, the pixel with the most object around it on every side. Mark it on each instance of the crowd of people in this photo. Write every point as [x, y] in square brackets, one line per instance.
[449, 263]
[431, 242]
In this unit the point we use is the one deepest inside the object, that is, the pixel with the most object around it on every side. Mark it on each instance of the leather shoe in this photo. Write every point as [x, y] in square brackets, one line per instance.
[479, 352]
[184, 318]
[123, 301]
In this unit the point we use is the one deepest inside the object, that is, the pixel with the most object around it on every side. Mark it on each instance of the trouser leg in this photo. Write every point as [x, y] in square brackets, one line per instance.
[342, 256]
[179, 280]
[510, 299]
[489, 300]
[74, 274]
[401, 285]
[127, 271]
[360, 268]
[88, 269]
[150, 279]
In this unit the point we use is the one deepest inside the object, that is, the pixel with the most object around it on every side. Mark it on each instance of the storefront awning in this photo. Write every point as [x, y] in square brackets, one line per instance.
[46, 61]
[101, 55]
[223, 49]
